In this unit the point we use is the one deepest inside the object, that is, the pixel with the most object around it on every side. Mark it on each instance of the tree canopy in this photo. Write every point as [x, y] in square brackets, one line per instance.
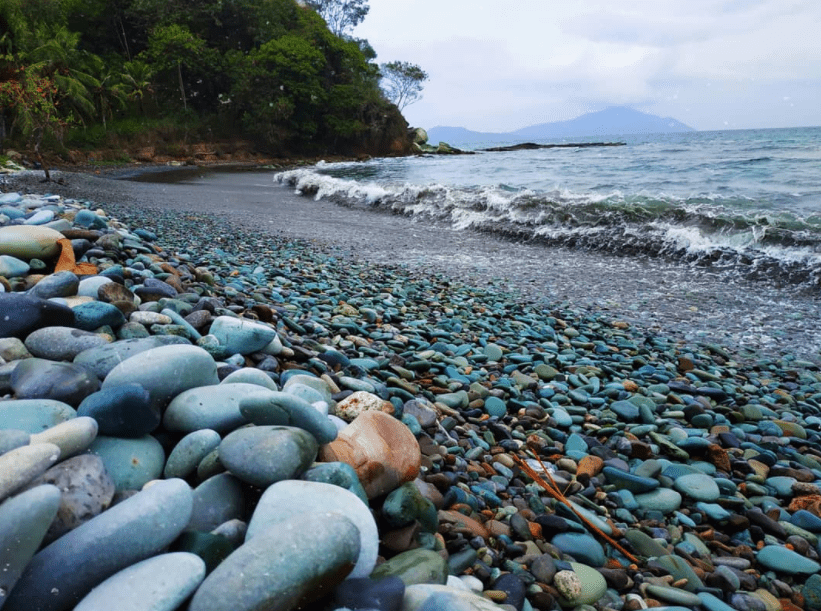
[403, 82]
[283, 74]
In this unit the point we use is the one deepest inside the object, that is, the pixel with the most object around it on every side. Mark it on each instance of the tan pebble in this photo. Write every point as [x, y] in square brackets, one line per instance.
[497, 596]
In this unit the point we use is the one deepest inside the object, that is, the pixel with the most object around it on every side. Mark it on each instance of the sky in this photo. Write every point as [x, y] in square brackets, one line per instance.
[712, 64]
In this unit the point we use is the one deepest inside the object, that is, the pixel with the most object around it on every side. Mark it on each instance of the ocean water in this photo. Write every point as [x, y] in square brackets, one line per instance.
[734, 204]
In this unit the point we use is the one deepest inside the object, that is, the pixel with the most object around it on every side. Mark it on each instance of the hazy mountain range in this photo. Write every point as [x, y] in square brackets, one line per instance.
[613, 121]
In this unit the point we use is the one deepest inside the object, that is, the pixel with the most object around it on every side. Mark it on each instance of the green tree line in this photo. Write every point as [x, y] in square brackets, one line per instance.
[271, 71]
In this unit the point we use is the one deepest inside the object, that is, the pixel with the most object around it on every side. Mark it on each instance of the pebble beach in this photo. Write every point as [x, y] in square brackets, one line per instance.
[198, 415]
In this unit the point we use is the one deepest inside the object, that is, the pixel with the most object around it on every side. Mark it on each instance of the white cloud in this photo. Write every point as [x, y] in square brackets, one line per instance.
[499, 66]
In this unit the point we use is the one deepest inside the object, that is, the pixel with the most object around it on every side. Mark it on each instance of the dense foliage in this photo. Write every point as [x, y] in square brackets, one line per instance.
[270, 71]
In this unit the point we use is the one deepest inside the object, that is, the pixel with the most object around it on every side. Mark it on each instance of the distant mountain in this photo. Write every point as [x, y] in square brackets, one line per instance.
[613, 121]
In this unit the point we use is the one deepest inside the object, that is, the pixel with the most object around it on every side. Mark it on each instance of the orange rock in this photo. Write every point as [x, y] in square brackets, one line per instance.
[381, 449]
[719, 457]
[630, 386]
[591, 465]
[463, 524]
[811, 503]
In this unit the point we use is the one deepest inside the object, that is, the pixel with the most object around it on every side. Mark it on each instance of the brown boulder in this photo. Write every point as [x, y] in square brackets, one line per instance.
[381, 449]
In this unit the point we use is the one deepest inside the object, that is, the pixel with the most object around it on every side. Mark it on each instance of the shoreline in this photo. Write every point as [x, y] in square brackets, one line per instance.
[681, 453]
[661, 297]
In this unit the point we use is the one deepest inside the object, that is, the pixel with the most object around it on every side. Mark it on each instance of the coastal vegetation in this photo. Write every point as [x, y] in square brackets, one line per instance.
[161, 77]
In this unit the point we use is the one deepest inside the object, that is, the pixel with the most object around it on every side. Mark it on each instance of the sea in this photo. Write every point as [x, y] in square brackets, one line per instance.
[713, 235]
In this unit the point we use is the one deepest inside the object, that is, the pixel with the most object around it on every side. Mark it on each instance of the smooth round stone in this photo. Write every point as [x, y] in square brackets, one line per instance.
[365, 593]
[12, 267]
[22, 314]
[42, 379]
[785, 560]
[112, 292]
[434, 597]
[493, 352]
[414, 567]
[62, 343]
[190, 451]
[781, 484]
[625, 410]
[562, 418]
[675, 596]
[154, 289]
[698, 486]
[165, 372]
[629, 481]
[286, 499]
[121, 411]
[161, 583]
[305, 392]
[645, 544]
[24, 520]
[211, 407]
[86, 490]
[494, 406]
[663, 500]
[103, 359]
[812, 592]
[131, 463]
[265, 573]
[338, 474]
[262, 455]
[34, 415]
[806, 520]
[217, 500]
[20, 466]
[95, 314]
[319, 385]
[582, 547]
[89, 220]
[275, 408]
[406, 504]
[89, 287]
[250, 375]
[41, 217]
[60, 575]
[29, 242]
[592, 586]
[680, 569]
[241, 336]
[58, 284]
[72, 436]
[13, 438]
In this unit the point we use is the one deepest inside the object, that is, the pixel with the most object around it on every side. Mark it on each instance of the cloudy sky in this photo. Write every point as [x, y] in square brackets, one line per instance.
[499, 66]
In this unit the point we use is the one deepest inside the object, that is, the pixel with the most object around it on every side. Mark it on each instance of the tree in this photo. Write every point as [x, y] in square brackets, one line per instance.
[402, 82]
[340, 15]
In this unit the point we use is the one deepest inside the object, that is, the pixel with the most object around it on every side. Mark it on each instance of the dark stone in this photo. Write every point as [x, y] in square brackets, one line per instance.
[122, 411]
[543, 568]
[154, 290]
[766, 523]
[22, 314]
[552, 525]
[514, 588]
[212, 548]
[382, 594]
[41, 379]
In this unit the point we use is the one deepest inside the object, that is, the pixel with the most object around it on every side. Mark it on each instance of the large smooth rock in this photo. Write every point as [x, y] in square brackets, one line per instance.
[62, 343]
[592, 586]
[300, 560]
[24, 521]
[270, 409]
[217, 500]
[161, 583]
[414, 567]
[698, 486]
[286, 499]
[131, 463]
[58, 284]
[42, 379]
[20, 466]
[241, 336]
[72, 436]
[60, 575]
[189, 452]
[262, 455]
[34, 415]
[166, 371]
[95, 314]
[580, 546]
[785, 561]
[86, 490]
[29, 241]
[381, 449]
[22, 314]
[122, 411]
[210, 407]
[103, 359]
